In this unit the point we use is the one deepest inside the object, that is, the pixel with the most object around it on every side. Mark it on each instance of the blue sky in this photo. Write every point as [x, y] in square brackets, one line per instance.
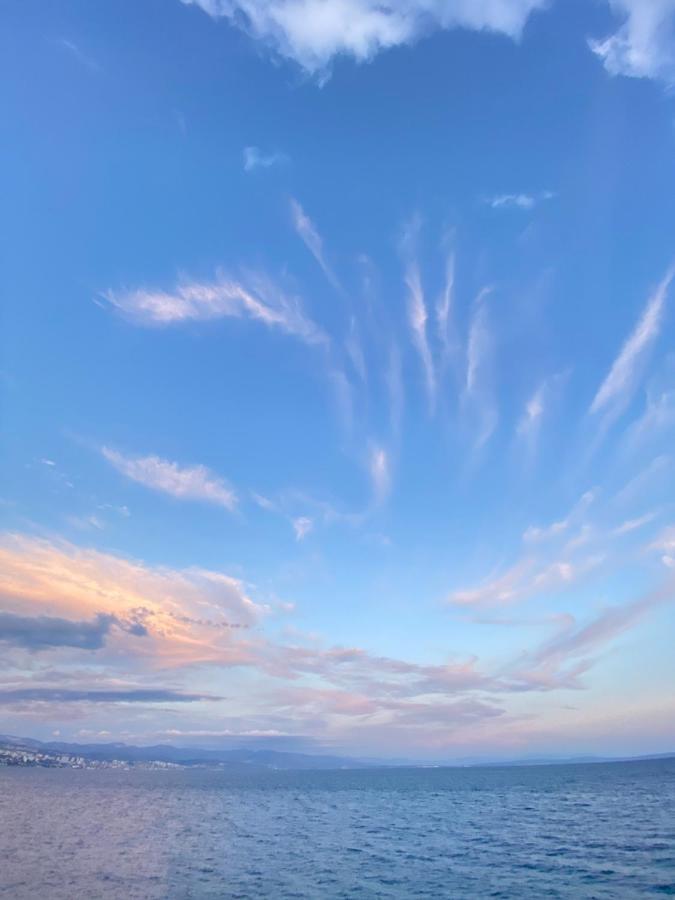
[338, 374]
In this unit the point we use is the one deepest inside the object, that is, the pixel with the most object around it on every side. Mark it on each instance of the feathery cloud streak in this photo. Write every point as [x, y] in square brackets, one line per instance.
[617, 389]
[184, 483]
[417, 319]
[379, 472]
[444, 307]
[311, 238]
[545, 532]
[478, 391]
[530, 422]
[259, 299]
[526, 579]
[560, 661]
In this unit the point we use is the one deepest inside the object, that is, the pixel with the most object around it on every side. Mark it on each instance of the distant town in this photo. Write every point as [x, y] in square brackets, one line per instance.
[30, 753]
[30, 758]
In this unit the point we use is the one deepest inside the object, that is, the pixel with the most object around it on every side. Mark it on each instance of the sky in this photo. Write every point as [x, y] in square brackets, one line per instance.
[338, 375]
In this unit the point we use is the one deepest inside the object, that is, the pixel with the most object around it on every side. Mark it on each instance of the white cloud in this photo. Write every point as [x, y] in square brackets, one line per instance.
[354, 349]
[479, 342]
[343, 394]
[80, 55]
[444, 306]
[259, 299]
[264, 502]
[379, 472]
[645, 479]
[656, 420]
[312, 239]
[86, 522]
[535, 533]
[530, 422]
[417, 319]
[518, 201]
[302, 527]
[254, 158]
[191, 615]
[665, 541]
[561, 660]
[478, 388]
[186, 483]
[527, 578]
[644, 45]
[617, 388]
[314, 32]
[633, 524]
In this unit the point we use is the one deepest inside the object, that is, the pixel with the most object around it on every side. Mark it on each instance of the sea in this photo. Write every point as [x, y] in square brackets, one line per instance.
[569, 831]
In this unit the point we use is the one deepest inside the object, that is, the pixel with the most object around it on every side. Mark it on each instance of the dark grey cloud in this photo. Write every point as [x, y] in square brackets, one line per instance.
[44, 632]
[71, 695]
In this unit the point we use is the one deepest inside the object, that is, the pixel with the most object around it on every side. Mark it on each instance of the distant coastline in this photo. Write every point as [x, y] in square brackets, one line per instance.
[31, 753]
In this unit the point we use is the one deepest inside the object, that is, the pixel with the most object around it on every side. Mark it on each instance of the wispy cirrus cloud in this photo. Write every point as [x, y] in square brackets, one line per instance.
[665, 544]
[380, 472]
[527, 578]
[258, 299]
[551, 562]
[644, 44]
[536, 409]
[444, 310]
[530, 422]
[631, 525]
[76, 51]
[478, 390]
[644, 479]
[311, 238]
[254, 158]
[181, 482]
[536, 533]
[518, 201]
[617, 389]
[354, 348]
[314, 32]
[560, 661]
[417, 321]
[656, 421]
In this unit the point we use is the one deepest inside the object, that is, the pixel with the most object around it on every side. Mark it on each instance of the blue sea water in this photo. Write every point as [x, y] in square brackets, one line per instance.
[571, 831]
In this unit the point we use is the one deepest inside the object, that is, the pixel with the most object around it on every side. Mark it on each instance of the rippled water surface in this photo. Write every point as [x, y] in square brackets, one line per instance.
[555, 831]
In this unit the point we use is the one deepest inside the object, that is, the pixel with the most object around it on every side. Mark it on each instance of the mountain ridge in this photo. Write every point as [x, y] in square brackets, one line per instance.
[280, 759]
